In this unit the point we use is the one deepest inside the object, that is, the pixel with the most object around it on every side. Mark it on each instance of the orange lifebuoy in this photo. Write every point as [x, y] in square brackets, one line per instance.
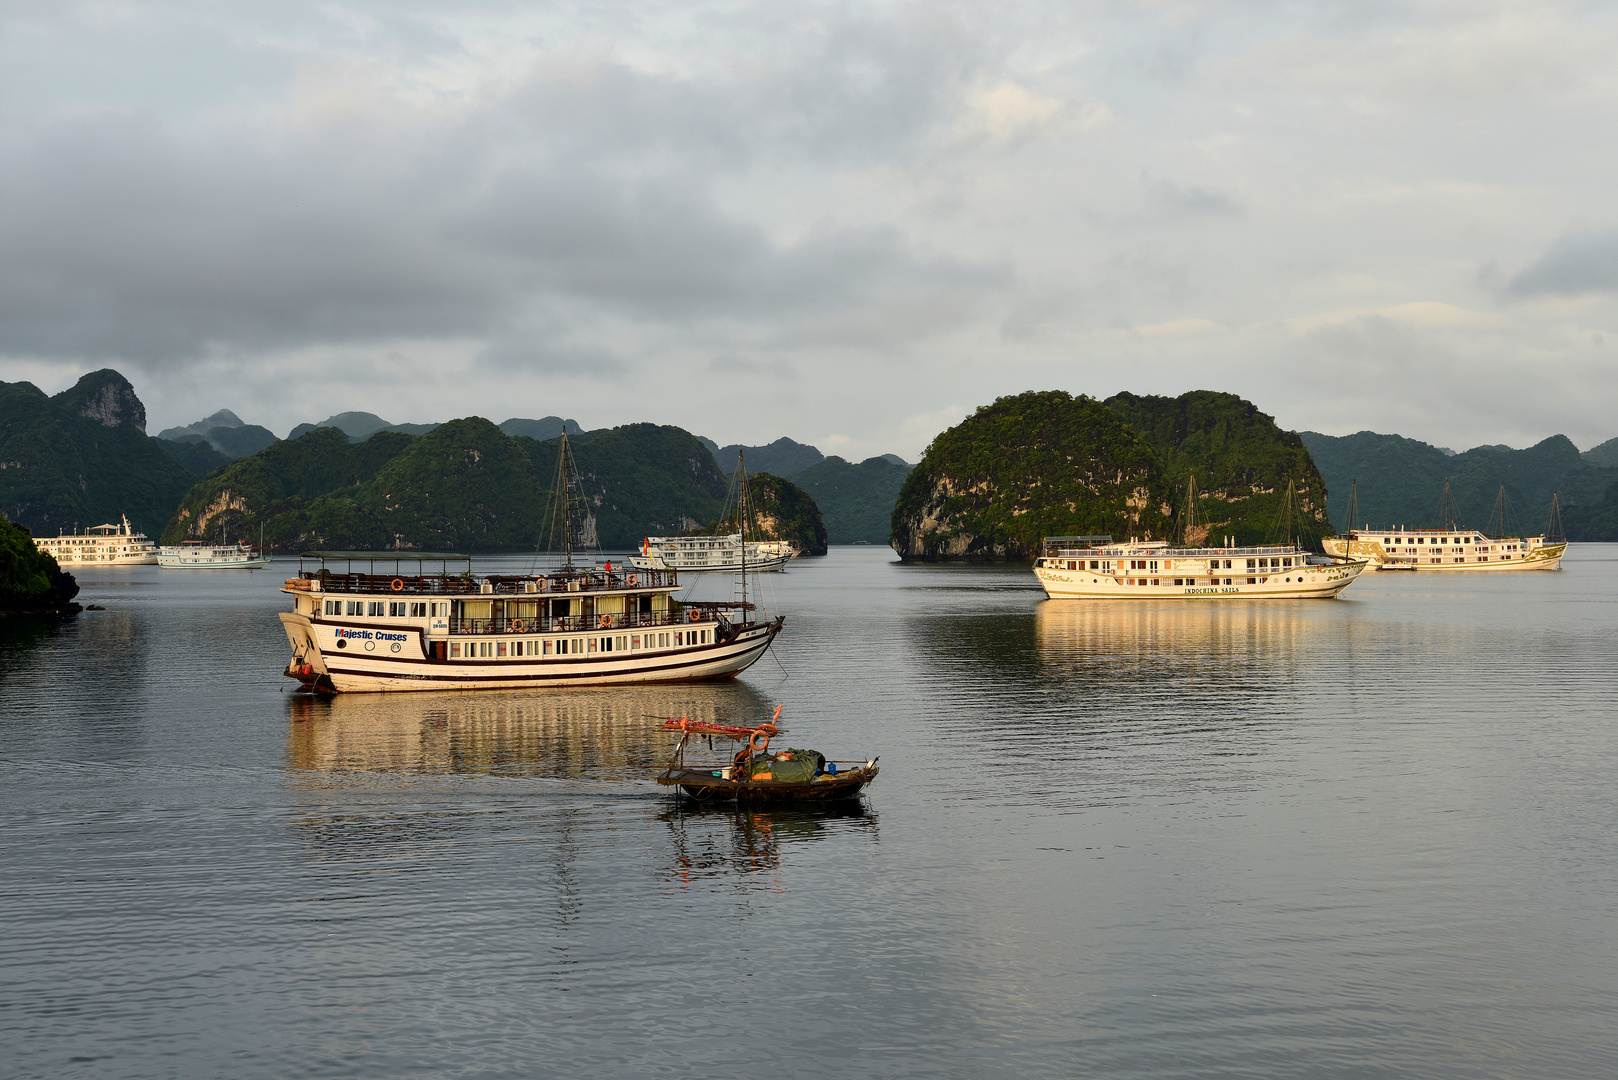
[755, 745]
[632, 580]
[544, 583]
[696, 616]
[398, 584]
[517, 626]
[606, 622]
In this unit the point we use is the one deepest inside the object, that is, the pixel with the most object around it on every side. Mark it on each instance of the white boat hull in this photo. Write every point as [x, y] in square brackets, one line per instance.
[176, 562]
[381, 657]
[773, 562]
[1298, 583]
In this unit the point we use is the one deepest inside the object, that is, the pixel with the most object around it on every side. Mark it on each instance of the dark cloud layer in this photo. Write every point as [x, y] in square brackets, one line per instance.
[1579, 262]
[130, 236]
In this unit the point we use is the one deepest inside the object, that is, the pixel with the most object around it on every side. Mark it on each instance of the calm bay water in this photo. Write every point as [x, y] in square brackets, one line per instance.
[1367, 837]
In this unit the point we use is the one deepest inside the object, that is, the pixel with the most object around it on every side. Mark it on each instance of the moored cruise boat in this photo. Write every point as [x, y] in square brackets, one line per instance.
[451, 630]
[697, 554]
[100, 545]
[1447, 550]
[202, 555]
[1095, 567]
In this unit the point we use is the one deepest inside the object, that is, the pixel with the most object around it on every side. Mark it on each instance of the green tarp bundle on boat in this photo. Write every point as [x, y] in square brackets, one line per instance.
[799, 768]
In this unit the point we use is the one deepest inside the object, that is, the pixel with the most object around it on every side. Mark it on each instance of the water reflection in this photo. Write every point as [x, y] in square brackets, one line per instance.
[715, 841]
[600, 735]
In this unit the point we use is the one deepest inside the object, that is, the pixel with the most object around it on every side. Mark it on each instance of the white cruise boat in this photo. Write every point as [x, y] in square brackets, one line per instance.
[1096, 568]
[100, 545]
[407, 628]
[695, 554]
[1451, 550]
[202, 555]
[1446, 550]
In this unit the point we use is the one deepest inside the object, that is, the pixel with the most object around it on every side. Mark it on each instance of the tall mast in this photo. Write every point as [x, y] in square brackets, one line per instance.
[1190, 512]
[561, 509]
[741, 524]
[1353, 505]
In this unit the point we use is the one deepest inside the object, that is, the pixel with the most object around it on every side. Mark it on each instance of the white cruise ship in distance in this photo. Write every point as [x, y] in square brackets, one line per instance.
[695, 554]
[100, 545]
[388, 622]
[1446, 550]
[1097, 568]
[202, 555]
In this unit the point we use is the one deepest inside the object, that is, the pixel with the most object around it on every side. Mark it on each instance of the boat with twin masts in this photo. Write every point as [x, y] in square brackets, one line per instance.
[100, 545]
[390, 621]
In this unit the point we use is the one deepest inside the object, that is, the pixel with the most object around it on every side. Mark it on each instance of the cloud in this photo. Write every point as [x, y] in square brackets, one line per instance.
[1580, 262]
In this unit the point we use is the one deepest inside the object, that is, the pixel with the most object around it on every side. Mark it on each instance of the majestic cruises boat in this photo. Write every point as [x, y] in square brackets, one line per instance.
[1452, 549]
[203, 555]
[357, 629]
[100, 545]
[695, 554]
[1095, 567]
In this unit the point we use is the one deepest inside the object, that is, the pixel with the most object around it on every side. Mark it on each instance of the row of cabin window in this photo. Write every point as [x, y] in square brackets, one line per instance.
[395, 609]
[1213, 564]
[480, 650]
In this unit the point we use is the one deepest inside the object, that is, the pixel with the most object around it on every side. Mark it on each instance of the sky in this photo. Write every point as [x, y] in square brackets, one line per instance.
[848, 224]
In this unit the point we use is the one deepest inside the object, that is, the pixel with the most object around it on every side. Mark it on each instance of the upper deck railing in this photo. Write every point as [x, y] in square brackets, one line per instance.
[406, 583]
[1053, 550]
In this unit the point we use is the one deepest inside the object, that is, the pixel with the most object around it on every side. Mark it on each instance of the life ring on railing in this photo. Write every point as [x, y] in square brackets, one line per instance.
[606, 622]
[756, 746]
[517, 626]
[631, 581]
[398, 584]
[696, 616]
[544, 583]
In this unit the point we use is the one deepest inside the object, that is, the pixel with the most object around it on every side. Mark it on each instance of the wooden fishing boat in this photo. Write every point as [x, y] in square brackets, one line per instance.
[756, 775]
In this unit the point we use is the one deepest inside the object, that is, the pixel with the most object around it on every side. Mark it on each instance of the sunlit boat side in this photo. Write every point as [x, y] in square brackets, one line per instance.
[100, 545]
[713, 554]
[361, 629]
[1095, 567]
[1446, 550]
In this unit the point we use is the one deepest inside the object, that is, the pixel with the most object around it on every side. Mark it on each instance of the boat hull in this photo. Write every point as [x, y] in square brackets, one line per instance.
[702, 785]
[1306, 583]
[773, 562]
[390, 658]
[178, 563]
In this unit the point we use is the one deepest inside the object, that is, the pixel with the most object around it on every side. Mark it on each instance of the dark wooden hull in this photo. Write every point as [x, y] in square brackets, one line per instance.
[703, 785]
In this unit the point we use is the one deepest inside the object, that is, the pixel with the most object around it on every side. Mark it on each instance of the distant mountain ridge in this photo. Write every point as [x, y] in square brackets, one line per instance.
[1400, 481]
[83, 457]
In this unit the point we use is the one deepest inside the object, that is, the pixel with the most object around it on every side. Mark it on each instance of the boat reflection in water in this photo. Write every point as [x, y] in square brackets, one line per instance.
[712, 840]
[596, 735]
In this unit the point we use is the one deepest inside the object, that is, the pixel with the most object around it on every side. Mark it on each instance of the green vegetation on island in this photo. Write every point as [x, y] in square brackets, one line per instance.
[1046, 463]
[30, 580]
[1037, 464]
[1242, 463]
[465, 485]
[83, 457]
[856, 501]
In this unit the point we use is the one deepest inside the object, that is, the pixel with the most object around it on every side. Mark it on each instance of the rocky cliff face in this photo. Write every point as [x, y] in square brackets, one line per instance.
[107, 398]
[1037, 464]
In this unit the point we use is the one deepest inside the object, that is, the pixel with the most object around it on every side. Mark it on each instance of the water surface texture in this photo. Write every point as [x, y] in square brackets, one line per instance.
[1365, 837]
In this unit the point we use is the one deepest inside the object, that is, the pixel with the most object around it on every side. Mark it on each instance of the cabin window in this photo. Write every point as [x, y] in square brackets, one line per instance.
[355, 607]
[606, 644]
[548, 648]
[561, 647]
[578, 645]
[500, 649]
[334, 607]
[679, 638]
[1094, 565]
[455, 649]
[634, 641]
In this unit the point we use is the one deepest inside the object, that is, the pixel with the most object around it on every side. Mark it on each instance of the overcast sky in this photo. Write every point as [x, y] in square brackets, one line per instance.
[846, 223]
